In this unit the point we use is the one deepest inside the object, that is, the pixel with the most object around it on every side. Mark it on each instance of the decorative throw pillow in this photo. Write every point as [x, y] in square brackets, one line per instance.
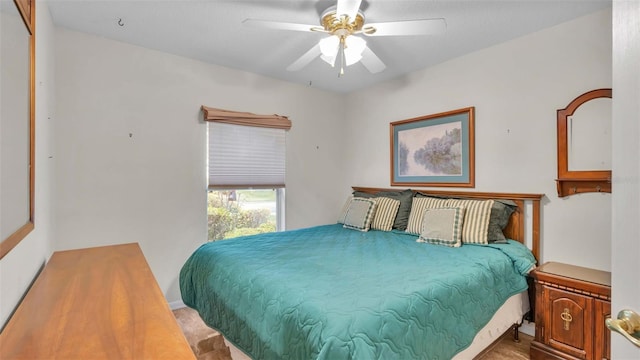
[476, 219]
[442, 226]
[405, 197]
[500, 213]
[345, 208]
[386, 210]
[360, 214]
[419, 205]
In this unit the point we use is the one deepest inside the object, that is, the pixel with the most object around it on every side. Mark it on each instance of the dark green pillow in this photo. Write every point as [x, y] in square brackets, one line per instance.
[500, 213]
[404, 196]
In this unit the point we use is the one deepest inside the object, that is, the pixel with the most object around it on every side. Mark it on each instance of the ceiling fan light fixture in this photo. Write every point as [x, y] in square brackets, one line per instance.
[353, 49]
[329, 47]
[331, 60]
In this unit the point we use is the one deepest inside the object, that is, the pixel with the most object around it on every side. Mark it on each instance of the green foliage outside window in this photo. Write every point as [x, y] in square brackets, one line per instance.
[229, 214]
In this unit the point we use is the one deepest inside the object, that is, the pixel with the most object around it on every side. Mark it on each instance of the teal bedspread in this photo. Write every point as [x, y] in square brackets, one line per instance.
[331, 293]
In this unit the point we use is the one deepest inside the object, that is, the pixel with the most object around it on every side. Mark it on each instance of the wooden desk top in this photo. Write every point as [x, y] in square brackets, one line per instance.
[95, 303]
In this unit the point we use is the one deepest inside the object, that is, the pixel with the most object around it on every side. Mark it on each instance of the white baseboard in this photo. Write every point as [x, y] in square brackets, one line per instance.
[528, 328]
[177, 305]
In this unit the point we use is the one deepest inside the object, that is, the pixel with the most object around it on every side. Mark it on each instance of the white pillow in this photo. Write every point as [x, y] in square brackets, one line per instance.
[359, 214]
[443, 226]
[345, 208]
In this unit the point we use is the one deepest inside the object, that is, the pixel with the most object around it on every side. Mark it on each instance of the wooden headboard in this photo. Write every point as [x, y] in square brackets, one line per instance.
[515, 228]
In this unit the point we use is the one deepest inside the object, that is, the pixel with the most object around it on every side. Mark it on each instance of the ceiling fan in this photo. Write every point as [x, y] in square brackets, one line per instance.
[345, 22]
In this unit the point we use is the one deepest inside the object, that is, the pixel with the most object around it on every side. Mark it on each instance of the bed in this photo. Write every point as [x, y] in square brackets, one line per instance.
[334, 292]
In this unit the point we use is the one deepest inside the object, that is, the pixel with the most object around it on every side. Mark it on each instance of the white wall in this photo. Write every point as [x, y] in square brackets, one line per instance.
[516, 88]
[131, 147]
[19, 267]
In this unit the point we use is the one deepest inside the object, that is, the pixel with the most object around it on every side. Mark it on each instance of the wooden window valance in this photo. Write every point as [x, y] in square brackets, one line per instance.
[246, 118]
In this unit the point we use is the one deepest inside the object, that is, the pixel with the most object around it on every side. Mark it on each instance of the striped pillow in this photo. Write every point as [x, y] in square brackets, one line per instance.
[417, 212]
[360, 214]
[386, 211]
[442, 226]
[476, 219]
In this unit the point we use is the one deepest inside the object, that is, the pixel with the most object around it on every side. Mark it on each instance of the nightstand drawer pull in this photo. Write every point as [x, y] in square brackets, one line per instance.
[566, 317]
[627, 324]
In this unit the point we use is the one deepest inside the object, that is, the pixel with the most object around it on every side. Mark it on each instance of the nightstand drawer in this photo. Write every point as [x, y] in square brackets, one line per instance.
[569, 322]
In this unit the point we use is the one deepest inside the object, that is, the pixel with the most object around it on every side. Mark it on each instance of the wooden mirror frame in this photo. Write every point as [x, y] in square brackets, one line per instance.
[28, 14]
[575, 182]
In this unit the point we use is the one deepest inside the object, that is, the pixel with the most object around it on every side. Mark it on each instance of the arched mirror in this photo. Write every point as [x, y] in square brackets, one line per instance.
[17, 121]
[584, 144]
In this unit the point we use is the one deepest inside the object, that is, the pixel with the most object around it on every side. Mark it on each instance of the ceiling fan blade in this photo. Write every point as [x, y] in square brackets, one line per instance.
[408, 27]
[305, 59]
[348, 7]
[278, 25]
[371, 61]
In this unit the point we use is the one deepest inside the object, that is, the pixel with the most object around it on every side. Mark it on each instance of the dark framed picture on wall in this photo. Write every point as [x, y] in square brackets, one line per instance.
[434, 150]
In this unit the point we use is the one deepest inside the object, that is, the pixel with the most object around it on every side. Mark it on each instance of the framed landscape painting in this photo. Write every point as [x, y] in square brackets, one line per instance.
[434, 150]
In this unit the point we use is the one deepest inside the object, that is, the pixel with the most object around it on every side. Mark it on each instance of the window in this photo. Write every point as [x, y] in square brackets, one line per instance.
[239, 212]
[246, 167]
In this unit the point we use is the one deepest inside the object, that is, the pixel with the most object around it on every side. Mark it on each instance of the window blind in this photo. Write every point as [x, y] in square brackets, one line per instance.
[246, 156]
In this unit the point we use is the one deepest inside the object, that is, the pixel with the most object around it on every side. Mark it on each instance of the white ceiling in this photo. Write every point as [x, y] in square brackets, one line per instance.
[212, 31]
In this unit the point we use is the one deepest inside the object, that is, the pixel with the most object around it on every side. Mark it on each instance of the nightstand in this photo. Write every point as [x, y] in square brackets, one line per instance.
[572, 303]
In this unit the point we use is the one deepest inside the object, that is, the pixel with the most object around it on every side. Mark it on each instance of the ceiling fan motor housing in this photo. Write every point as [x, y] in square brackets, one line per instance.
[341, 25]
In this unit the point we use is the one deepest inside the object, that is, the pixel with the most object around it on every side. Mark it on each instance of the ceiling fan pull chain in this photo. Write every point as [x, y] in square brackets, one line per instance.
[342, 55]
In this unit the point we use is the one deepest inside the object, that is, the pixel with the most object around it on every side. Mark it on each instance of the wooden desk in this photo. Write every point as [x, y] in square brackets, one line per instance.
[96, 303]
